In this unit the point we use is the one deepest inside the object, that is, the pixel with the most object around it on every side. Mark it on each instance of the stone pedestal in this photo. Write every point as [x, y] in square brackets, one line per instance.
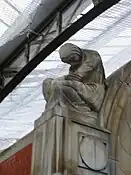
[66, 146]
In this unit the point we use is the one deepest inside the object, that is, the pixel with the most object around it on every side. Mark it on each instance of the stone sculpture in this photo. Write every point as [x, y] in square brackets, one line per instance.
[82, 90]
[64, 144]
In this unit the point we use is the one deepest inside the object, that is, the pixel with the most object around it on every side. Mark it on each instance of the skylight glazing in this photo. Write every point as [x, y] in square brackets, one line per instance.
[109, 34]
[16, 15]
[7, 13]
[21, 5]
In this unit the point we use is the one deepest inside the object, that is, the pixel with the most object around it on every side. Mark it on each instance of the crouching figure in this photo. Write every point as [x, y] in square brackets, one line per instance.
[82, 91]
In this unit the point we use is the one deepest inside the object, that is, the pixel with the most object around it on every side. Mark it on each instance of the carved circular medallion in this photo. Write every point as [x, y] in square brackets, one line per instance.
[93, 152]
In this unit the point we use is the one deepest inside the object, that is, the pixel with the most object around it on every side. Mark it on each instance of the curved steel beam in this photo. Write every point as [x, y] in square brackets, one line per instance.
[65, 35]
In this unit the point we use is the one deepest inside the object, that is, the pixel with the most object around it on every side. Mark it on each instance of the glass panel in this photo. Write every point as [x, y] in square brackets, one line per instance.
[45, 65]
[86, 35]
[7, 13]
[26, 103]
[3, 28]
[21, 4]
[101, 23]
[106, 58]
[118, 10]
[110, 50]
[126, 32]
[119, 42]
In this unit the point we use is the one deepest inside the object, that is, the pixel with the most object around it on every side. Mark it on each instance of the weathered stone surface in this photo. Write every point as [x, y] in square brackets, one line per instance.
[47, 147]
[93, 152]
[81, 92]
[69, 127]
[119, 170]
[57, 139]
[57, 148]
[77, 132]
[112, 165]
[116, 110]
[123, 157]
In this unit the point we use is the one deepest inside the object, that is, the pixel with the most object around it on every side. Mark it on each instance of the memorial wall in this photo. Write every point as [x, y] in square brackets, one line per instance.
[79, 132]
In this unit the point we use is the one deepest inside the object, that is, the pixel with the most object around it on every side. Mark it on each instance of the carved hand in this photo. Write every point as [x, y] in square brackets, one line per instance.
[74, 77]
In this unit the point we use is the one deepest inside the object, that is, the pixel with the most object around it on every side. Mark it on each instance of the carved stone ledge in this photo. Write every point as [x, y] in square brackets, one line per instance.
[58, 147]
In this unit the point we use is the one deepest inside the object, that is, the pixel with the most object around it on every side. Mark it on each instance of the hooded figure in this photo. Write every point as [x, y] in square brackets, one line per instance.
[82, 90]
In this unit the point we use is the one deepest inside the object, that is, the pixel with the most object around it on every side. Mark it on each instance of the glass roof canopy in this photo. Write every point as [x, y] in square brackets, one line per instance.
[12, 13]
[109, 34]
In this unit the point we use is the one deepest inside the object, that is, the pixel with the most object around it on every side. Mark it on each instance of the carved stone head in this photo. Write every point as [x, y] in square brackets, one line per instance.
[70, 54]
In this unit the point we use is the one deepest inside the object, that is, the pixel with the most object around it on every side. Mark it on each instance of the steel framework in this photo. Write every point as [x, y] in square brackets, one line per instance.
[39, 45]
